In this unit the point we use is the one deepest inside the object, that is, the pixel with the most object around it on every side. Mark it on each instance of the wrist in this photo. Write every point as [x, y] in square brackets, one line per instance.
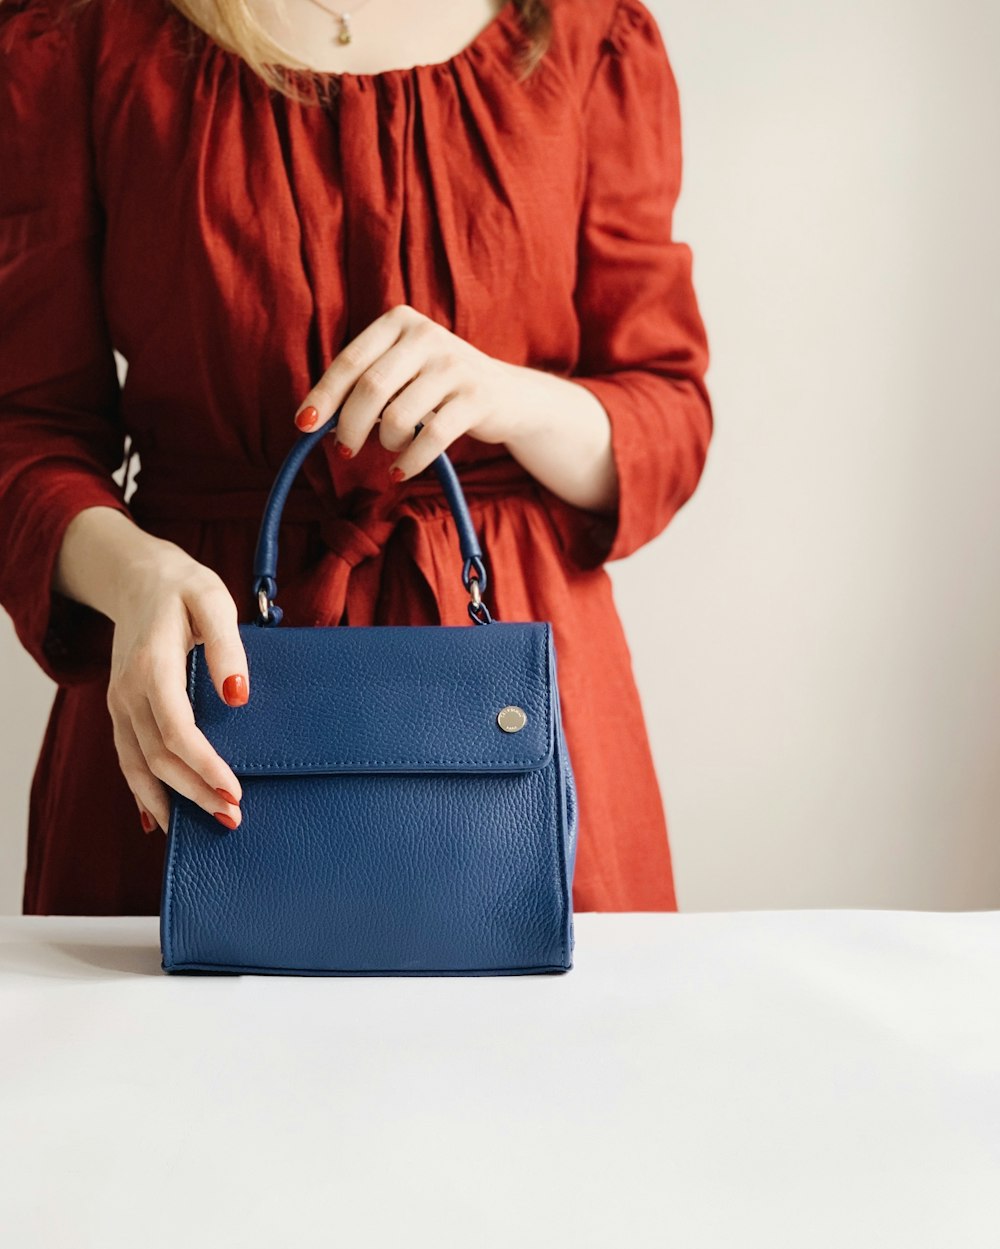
[530, 396]
[106, 560]
[561, 433]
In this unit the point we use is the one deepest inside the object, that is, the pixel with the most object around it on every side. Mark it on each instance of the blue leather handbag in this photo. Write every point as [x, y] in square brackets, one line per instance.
[409, 806]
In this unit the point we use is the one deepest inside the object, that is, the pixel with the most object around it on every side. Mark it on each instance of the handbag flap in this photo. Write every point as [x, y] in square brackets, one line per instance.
[371, 698]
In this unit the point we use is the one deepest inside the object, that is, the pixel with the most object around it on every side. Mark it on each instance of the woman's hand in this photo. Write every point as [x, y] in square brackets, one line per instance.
[167, 604]
[404, 369]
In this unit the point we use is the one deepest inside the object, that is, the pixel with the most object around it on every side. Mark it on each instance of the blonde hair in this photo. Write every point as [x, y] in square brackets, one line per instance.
[232, 24]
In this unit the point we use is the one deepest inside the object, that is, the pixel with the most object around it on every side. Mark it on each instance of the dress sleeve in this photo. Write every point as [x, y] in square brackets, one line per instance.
[643, 348]
[60, 433]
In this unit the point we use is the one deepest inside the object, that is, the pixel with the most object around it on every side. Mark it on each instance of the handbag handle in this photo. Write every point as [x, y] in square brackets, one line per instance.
[265, 560]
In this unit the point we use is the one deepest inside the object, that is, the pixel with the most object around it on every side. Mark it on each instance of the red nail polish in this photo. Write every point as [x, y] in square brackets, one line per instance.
[306, 419]
[148, 823]
[224, 793]
[234, 690]
[224, 819]
[344, 451]
[396, 473]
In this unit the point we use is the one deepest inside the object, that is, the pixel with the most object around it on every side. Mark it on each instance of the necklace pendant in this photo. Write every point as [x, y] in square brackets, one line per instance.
[344, 36]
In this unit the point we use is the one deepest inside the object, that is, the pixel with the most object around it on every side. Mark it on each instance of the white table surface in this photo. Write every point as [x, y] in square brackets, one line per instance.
[739, 1079]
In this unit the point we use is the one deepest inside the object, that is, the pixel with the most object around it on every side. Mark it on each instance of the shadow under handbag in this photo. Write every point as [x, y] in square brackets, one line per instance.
[409, 805]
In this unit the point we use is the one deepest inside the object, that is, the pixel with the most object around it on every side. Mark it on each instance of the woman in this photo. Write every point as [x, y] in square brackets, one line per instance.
[477, 246]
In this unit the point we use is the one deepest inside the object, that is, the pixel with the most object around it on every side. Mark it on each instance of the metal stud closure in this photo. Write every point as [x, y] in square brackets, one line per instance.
[512, 718]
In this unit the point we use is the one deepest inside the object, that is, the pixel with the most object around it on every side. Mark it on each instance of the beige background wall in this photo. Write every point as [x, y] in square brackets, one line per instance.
[817, 634]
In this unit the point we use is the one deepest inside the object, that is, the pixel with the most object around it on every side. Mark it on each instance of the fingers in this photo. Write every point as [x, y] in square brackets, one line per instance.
[164, 723]
[402, 372]
[214, 622]
[177, 752]
[351, 362]
[386, 386]
[416, 403]
[150, 794]
[156, 736]
[440, 429]
[160, 746]
[148, 821]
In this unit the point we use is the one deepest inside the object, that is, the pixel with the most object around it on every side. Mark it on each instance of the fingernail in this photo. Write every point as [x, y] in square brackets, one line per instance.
[225, 819]
[307, 418]
[234, 690]
[344, 451]
[148, 823]
[224, 793]
[396, 473]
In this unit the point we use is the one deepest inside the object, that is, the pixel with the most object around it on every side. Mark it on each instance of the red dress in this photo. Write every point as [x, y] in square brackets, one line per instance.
[154, 199]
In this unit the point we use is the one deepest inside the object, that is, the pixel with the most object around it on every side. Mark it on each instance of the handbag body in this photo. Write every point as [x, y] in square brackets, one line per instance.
[409, 805]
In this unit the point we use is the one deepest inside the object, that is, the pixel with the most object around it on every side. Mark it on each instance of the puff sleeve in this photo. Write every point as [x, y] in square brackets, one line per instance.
[643, 347]
[60, 433]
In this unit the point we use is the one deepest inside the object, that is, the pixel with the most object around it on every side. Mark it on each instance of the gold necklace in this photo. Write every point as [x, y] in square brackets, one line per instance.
[344, 34]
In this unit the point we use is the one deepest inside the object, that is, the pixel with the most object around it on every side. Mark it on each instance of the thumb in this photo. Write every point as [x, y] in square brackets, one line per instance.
[214, 618]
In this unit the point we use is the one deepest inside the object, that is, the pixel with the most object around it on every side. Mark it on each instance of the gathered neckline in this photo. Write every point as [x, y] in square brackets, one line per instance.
[493, 30]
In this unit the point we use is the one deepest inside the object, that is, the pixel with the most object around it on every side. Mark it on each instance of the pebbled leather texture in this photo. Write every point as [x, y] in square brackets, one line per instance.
[390, 826]
[420, 698]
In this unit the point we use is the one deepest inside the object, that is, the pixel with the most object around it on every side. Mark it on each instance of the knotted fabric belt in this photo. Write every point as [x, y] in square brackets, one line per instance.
[359, 531]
